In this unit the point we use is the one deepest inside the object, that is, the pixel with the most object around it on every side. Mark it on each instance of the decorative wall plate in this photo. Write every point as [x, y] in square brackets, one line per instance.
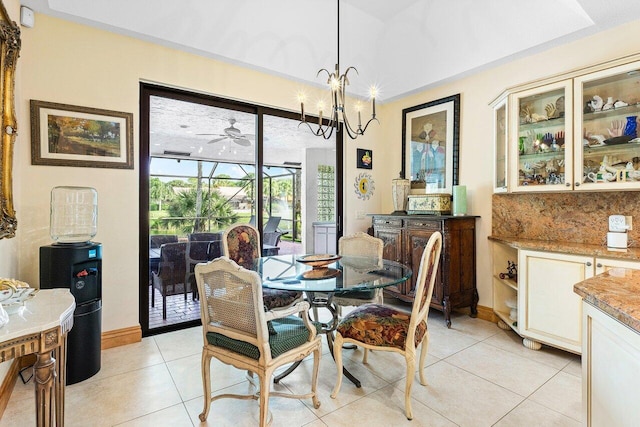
[364, 186]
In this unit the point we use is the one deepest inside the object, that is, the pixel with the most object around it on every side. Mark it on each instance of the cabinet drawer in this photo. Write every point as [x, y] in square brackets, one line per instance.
[387, 222]
[425, 224]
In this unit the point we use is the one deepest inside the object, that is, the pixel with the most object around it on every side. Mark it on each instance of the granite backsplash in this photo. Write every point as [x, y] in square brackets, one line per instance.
[580, 217]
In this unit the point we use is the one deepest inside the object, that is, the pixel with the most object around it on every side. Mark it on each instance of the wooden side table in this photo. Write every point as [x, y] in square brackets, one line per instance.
[41, 327]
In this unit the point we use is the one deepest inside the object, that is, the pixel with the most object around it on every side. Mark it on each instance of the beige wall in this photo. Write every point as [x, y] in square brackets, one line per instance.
[69, 63]
[73, 64]
[476, 137]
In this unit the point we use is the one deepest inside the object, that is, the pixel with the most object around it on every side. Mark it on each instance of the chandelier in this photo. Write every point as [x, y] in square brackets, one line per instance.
[337, 85]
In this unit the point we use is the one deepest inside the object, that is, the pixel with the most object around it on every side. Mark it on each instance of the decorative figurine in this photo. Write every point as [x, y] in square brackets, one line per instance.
[609, 104]
[596, 103]
[551, 111]
[619, 104]
[617, 128]
[560, 107]
[512, 271]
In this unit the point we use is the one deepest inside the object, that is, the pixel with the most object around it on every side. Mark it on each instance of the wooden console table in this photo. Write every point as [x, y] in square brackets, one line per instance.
[405, 237]
[41, 327]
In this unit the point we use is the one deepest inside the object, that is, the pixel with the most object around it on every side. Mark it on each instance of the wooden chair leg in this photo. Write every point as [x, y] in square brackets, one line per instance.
[264, 398]
[337, 355]
[314, 377]
[411, 366]
[206, 384]
[423, 357]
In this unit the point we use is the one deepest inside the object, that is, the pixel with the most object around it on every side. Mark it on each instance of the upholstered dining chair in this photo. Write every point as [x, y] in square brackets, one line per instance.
[235, 331]
[241, 243]
[379, 327]
[362, 245]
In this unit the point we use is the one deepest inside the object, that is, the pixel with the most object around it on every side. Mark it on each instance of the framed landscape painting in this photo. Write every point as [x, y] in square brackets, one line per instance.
[430, 145]
[68, 135]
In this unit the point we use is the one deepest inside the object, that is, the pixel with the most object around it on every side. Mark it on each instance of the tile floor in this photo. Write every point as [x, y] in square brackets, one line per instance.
[478, 375]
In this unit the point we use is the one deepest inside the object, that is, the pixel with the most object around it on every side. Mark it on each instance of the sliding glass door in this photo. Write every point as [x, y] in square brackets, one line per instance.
[199, 161]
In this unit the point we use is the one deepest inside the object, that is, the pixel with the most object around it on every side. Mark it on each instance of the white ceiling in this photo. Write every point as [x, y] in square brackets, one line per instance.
[402, 46]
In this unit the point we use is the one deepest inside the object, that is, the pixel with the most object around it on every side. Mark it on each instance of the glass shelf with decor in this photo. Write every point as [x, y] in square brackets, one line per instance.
[607, 122]
[541, 149]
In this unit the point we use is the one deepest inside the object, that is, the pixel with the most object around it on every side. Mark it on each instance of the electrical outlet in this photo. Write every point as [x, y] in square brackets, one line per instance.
[629, 221]
[359, 214]
[617, 223]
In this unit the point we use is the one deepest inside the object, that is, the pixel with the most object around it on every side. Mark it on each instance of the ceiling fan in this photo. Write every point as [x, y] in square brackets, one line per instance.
[232, 133]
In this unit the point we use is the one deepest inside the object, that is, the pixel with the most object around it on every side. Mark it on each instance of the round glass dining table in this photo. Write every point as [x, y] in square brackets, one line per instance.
[321, 284]
[348, 273]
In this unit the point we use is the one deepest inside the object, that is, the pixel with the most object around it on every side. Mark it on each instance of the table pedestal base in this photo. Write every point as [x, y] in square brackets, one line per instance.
[326, 328]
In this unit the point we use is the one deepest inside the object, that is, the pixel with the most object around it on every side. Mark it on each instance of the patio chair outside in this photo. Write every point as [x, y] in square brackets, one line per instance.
[170, 278]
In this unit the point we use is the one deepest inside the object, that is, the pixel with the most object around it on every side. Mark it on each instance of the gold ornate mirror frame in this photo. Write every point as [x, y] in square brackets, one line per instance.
[9, 51]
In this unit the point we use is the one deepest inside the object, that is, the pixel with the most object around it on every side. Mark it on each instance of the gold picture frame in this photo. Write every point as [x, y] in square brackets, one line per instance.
[70, 135]
[9, 52]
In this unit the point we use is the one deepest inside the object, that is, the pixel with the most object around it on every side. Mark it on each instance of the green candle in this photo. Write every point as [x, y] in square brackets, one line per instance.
[459, 199]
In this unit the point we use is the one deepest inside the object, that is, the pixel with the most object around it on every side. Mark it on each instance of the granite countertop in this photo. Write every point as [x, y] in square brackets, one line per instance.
[632, 254]
[616, 292]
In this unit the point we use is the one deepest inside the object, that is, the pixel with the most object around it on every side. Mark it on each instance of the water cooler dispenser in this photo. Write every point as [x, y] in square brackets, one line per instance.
[75, 263]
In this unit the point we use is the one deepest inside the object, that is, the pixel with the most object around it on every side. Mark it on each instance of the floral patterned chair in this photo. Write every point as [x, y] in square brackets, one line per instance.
[379, 327]
[235, 331]
[241, 243]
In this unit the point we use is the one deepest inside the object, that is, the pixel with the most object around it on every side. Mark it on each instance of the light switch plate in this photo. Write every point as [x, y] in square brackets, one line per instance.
[27, 19]
[617, 223]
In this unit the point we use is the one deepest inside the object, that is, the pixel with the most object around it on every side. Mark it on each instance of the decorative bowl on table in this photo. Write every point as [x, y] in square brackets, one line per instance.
[319, 260]
[318, 264]
[13, 294]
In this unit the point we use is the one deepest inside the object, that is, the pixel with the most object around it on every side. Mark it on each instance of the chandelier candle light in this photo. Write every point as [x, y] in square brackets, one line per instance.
[337, 85]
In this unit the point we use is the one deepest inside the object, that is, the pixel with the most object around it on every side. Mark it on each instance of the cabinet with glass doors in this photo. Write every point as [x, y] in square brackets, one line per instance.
[500, 123]
[577, 131]
[607, 155]
[541, 144]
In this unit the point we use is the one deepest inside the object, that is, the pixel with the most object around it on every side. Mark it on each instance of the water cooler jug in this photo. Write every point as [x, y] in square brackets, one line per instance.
[75, 263]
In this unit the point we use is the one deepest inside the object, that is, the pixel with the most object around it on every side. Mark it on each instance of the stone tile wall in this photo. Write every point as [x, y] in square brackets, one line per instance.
[580, 217]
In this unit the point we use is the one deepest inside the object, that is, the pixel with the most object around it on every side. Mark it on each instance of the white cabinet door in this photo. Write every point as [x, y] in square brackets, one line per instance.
[324, 238]
[548, 310]
[610, 371]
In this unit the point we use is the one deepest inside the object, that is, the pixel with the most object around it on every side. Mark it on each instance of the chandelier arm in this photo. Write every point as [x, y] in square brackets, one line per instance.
[364, 129]
[325, 132]
[325, 70]
[350, 68]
